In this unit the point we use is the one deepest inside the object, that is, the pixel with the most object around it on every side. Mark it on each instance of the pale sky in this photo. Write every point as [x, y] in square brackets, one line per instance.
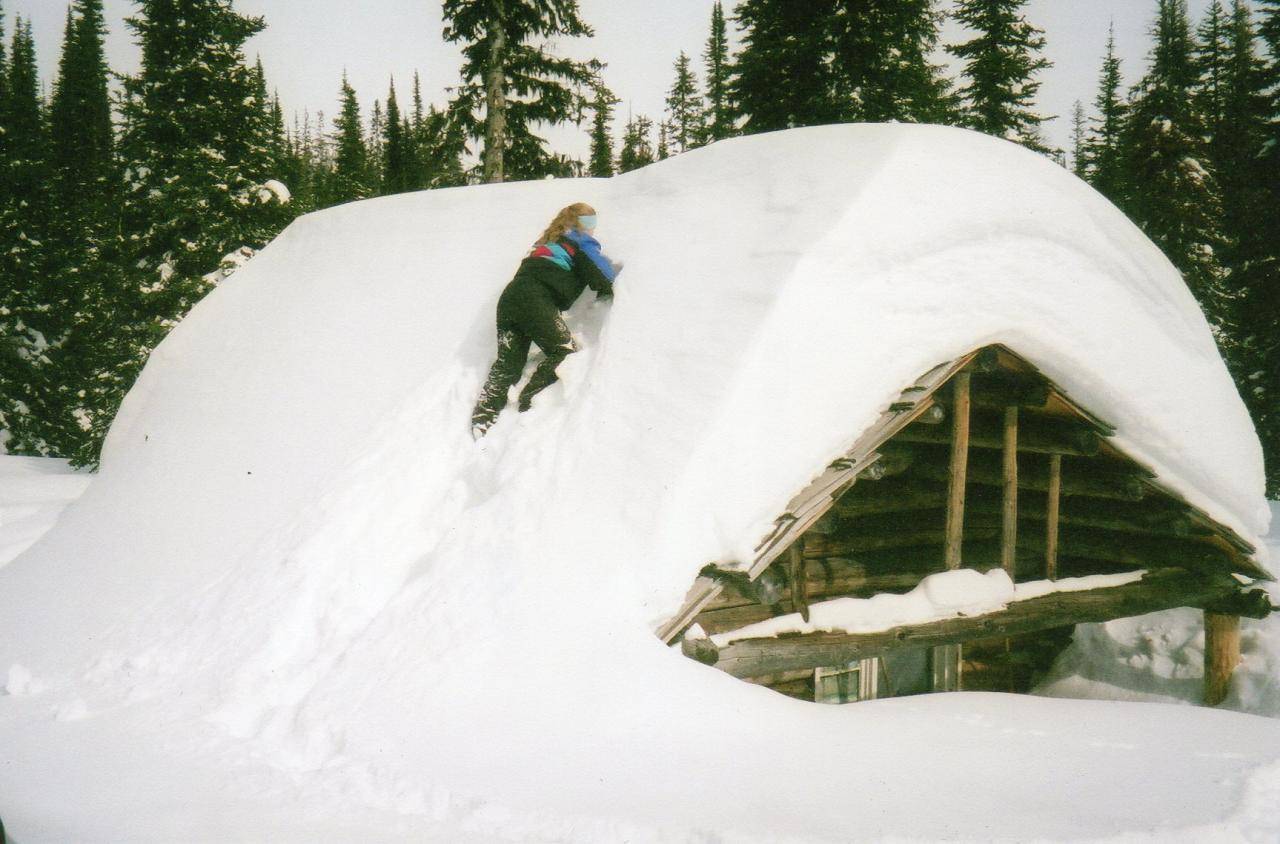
[308, 43]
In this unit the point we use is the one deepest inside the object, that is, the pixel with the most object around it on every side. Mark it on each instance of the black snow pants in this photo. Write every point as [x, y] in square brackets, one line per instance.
[526, 314]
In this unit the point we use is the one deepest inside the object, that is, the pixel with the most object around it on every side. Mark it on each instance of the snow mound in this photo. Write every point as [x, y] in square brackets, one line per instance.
[33, 492]
[295, 551]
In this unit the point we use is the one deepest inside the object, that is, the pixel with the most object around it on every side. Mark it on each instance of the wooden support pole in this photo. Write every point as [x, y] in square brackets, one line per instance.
[1009, 526]
[1221, 654]
[799, 585]
[959, 467]
[1051, 517]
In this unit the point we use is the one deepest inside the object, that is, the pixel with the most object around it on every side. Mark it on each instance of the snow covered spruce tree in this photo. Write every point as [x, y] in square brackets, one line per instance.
[882, 54]
[783, 76]
[199, 188]
[839, 61]
[397, 155]
[1172, 195]
[1079, 140]
[84, 242]
[637, 149]
[684, 108]
[1105, 158]
[1210, 57]
[1001, 63]
[348, 180]
[510, 84]
[30, 313]
[436, 145]
[718, 122]
[601, 160]
[1245, 149]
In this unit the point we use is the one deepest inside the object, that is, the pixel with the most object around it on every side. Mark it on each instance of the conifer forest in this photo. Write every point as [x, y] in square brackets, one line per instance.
[125, 199]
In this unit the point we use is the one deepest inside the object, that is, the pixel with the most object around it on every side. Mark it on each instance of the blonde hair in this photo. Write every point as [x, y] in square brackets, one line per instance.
[566, 219]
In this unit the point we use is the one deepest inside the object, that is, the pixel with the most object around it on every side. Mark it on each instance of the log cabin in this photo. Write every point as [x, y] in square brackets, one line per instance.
[982, 464]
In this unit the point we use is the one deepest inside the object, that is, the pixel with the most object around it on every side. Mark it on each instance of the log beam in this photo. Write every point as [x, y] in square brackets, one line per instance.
[1039, 436]
[1159, 590]
[957, 472]
[1009, 514]
[1221, 655]
[984, 470]
[999, 390]
[846, 545]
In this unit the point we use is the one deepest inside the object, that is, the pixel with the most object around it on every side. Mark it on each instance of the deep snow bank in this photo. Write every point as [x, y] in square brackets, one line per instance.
[1160, 657]
[294, 542]
[33, 492]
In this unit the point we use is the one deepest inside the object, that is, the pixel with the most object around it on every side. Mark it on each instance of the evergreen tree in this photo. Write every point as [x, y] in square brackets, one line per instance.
[1210, 60]
[684, 108]
[882, 54]
[515, 83]
[1105, 157]
[784, 75]
[636, 151]
[664, 143]
[1001, 64]
[30, 315]
[601, 139]
[1172, 195]
[1079, 140]
[1243, 151]
[373, 143]
[397, 163]
[351, 159]
[719, 113]
[83, 244]
[196, 148]
[443, 146]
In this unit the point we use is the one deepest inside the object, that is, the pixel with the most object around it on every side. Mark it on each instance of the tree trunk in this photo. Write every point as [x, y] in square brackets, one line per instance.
[495, 131]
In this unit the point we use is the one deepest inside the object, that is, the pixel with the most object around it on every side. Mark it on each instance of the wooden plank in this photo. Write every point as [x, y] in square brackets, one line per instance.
[1052, 507]
[958, 468]
[1159, 590]
[799, 586]
[1037, 434]
[1221, 655]
[1009, 526]
[985, 469]
[703, 591]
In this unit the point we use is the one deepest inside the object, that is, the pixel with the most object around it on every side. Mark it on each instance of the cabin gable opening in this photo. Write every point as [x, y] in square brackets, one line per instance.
[983, 464]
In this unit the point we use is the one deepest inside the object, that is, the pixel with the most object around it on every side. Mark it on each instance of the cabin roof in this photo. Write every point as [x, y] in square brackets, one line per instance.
[818, 497]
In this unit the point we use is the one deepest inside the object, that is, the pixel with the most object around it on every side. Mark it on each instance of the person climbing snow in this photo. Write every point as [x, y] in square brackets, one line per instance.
[565, 260]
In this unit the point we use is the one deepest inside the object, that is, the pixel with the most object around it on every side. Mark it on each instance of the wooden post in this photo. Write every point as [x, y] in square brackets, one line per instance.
[1051, 517]
[1221, 654]
[959, 469]
[799, 587]
[1009, 534]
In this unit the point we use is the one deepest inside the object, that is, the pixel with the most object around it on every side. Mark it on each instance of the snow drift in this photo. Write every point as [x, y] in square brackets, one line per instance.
[295, 552]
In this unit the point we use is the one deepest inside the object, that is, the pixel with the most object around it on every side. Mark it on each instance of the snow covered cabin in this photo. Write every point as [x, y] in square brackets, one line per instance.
[295, 553]
[983, 464]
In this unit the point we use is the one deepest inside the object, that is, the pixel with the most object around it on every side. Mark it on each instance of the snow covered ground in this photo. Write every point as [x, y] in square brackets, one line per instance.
[1160, 657]
[33, 492]
[298, 600]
